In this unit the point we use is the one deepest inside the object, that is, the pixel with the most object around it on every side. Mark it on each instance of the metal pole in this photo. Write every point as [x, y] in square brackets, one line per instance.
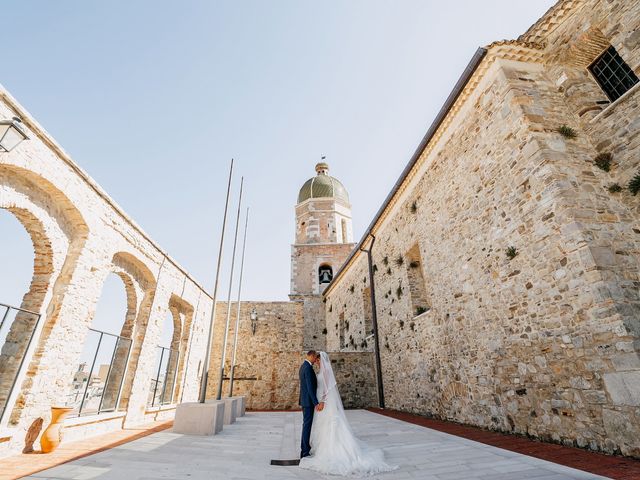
[235, 335]
[207, 357]
[226, 328]
[374, 322]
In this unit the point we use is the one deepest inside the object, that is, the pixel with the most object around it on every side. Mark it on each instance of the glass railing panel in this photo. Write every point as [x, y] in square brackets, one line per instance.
[17, 329]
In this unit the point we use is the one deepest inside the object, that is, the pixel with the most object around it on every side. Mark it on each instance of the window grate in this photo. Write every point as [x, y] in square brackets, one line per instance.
[613, 74]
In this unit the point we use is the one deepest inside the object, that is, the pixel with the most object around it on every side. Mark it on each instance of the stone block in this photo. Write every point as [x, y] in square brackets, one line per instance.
[196, 418]
[622, 429]
[241, 406]
[626, 361]
[623, 387]
[230, 409]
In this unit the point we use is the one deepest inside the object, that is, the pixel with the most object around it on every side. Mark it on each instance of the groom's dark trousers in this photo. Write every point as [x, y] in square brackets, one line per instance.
[308, 401]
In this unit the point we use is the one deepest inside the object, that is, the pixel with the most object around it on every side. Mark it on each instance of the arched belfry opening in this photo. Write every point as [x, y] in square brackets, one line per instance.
[325, 274]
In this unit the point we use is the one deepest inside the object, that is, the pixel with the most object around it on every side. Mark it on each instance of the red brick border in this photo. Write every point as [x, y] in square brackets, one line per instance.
[618, 468]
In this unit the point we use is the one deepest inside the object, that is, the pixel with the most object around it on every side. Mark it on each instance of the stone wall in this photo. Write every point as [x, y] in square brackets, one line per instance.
[355, 374]
[268, 361]
[80, 236]
[545, 343]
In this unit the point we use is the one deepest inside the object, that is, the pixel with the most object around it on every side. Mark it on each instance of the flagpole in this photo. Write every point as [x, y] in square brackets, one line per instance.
[235, 334]
[207, 357]
[226, 329]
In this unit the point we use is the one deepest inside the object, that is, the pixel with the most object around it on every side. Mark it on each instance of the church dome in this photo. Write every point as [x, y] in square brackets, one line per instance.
[323, 185]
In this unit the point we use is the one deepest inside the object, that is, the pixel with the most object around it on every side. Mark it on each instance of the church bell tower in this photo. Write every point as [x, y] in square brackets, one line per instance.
[323, 241]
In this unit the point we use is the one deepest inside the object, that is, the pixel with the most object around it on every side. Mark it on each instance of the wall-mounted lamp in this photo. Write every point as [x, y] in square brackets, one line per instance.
[11, 134]
[254, 321]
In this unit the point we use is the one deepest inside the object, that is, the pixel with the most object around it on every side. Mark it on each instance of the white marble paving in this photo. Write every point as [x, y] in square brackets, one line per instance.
[243, 451]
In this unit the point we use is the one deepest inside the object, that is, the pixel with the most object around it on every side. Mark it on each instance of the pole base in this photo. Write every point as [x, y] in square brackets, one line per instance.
[241, 406]
[230, 409]
[196, 418]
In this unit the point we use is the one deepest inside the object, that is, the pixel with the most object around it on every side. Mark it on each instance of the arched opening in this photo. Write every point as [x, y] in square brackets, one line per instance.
[58, 233]
[183, 313]
[167, 352]
[97, 381]
[343, 224]
[325, 274]
[17, 325]
[16, 260]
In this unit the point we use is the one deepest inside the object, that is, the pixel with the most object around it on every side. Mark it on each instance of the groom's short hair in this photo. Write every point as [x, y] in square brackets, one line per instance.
[312, 353]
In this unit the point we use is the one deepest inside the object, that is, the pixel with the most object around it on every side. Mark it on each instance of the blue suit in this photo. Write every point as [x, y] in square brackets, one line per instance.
[308, 401]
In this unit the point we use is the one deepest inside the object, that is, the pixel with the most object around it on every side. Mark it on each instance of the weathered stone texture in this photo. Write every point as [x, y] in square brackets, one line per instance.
[268, 361]
[79, 237]
[544, 344]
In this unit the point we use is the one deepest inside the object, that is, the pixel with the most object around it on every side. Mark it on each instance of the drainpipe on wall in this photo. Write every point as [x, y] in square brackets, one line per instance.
[374, 323]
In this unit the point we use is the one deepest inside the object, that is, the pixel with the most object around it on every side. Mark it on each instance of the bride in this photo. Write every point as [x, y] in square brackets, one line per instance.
[334, 448]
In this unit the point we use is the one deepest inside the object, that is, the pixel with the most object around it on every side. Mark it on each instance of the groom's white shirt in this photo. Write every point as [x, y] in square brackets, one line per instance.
[308, 362]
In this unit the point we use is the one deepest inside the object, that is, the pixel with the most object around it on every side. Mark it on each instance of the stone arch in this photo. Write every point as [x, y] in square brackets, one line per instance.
[58, 233]
[140, 286]
[182, 313]
[325, 273]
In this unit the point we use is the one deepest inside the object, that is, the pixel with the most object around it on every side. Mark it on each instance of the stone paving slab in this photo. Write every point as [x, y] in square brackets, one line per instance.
[18, 466]
[614, 466]
[243, 451]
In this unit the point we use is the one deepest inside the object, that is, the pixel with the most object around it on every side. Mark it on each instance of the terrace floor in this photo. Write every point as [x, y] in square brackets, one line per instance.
[244, 451]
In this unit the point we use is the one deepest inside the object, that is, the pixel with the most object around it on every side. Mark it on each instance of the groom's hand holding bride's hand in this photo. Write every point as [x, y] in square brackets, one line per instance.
[320, 407]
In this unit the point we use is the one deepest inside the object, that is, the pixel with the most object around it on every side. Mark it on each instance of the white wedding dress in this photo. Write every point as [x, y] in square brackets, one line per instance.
[334, 448]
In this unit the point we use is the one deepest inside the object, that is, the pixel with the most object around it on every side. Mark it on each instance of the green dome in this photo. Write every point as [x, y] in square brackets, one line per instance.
[323, 186]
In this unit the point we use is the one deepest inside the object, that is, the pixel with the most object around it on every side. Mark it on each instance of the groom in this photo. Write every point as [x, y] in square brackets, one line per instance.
[308, 399]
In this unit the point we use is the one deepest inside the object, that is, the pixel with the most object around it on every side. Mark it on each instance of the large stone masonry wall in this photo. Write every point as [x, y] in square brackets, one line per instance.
[80, 236]
[544, 344]
[268, 361]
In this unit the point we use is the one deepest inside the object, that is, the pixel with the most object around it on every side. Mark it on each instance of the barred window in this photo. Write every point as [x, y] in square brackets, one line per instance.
[613, 74]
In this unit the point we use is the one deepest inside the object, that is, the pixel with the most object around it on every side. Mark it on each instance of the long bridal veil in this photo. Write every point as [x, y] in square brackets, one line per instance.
[334, 447]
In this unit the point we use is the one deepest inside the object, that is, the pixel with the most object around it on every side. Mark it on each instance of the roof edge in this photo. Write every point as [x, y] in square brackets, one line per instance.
[442, 113]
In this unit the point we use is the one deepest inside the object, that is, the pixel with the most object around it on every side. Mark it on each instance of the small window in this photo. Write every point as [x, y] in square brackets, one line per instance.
[613, 74]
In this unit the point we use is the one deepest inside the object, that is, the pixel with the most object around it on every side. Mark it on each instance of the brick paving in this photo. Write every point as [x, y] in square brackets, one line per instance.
[615, 467]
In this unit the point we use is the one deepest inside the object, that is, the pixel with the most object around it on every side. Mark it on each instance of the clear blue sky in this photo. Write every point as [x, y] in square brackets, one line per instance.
[152, 99]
